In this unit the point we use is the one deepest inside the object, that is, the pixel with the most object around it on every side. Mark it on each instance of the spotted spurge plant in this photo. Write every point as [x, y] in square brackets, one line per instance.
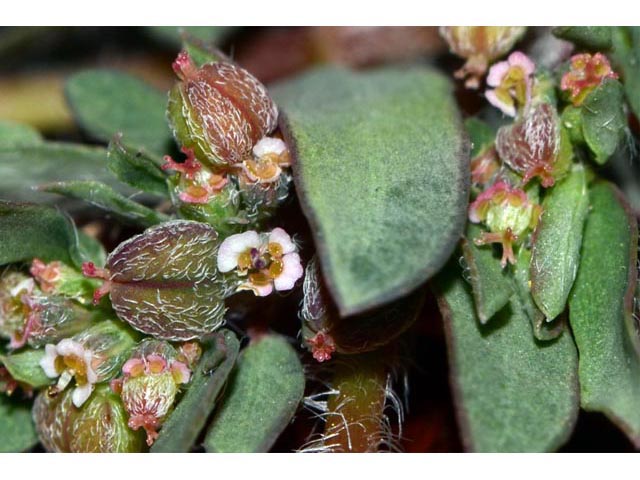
[505, 214]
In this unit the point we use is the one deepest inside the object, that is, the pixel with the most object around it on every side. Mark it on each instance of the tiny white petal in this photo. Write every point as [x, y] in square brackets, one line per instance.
[81, 394]
[233, 246]
[67, 347]
[278, 235]
[291, 272]
[48, 362]
[27, 285]
[269, 145]
[92, 376]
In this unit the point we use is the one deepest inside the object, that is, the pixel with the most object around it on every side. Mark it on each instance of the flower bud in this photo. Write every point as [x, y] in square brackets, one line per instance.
[535, 147]
[508, 213]
[480, 46]
[585, 74]
[151, 381]
[219, 111]
[99, 426]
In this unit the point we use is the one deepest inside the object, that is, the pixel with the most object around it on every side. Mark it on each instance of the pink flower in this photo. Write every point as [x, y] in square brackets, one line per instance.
[512, 81]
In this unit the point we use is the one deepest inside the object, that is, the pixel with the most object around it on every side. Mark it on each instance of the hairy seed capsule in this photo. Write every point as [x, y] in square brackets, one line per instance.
[99, 426]
[219, 110]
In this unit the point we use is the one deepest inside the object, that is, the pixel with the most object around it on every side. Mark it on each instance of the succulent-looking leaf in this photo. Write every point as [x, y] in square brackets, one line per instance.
[542, 330]
[17, 135]
[511, 392]
[264, 393]
[24, 367]
[174, 35]
[106, 198]
[600, 309]
[91, 250]
[29, 231]
[164, 282]
[556, 243]
[603, 119]
[24, 167]
[491, 284]
[200, 50]
[17, 432]
[626, 59]
[593, 38]
[381, 166]
[108, 102]
[136, 168]
[180, 431]
[481, 134]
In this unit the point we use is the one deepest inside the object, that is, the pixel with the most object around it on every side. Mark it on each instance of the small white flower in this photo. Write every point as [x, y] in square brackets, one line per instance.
[269, 145]
[234, 246]
[291, 272]
[76, 362]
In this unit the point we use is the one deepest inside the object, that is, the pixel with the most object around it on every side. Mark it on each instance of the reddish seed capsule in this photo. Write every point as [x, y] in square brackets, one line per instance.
[219, 110]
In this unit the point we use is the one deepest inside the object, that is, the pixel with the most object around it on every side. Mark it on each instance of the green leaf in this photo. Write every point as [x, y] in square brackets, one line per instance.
[29, 231]
[601, 307]
[25, 367]
[106, 198]
[16, 135]
[491, 284]
[24, 167]
[556, 242]
[592, 38]
[17, 431]
[181, 430]
[481, 134]
[137, 169]
[626, 60]
[542, 329]
[108, 102]
[201, 51]
[264, 393]
[603, 119]
[91, 250]
[512, 393]
[382, 172]
[165, 281]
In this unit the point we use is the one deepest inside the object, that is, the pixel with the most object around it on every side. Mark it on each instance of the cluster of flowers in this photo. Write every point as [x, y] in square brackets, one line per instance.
[535, 145]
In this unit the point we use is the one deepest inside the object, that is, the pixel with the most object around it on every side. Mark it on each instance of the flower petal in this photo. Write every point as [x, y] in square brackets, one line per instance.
[497, 73]
[519, 59]
[258, 290]
[278, 235]
[81, 394]
[269, 145]
[291, 272]
[48, 362]
[233, 246]
[67, 347]
[496, 102]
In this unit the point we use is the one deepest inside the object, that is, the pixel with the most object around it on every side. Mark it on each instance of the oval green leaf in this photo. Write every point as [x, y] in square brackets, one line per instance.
[136, 168]
[263, 394]
[512, 393]
[107, 102]
[28, 231]
[601, 307]
[381, 166]
[25, 367]
[556, 243]
[491, 284]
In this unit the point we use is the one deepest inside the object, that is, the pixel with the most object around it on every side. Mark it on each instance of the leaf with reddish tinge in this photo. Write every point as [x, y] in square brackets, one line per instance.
[165, 282]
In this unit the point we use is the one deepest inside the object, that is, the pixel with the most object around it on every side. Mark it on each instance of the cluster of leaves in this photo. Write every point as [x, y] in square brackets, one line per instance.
[381, 162]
